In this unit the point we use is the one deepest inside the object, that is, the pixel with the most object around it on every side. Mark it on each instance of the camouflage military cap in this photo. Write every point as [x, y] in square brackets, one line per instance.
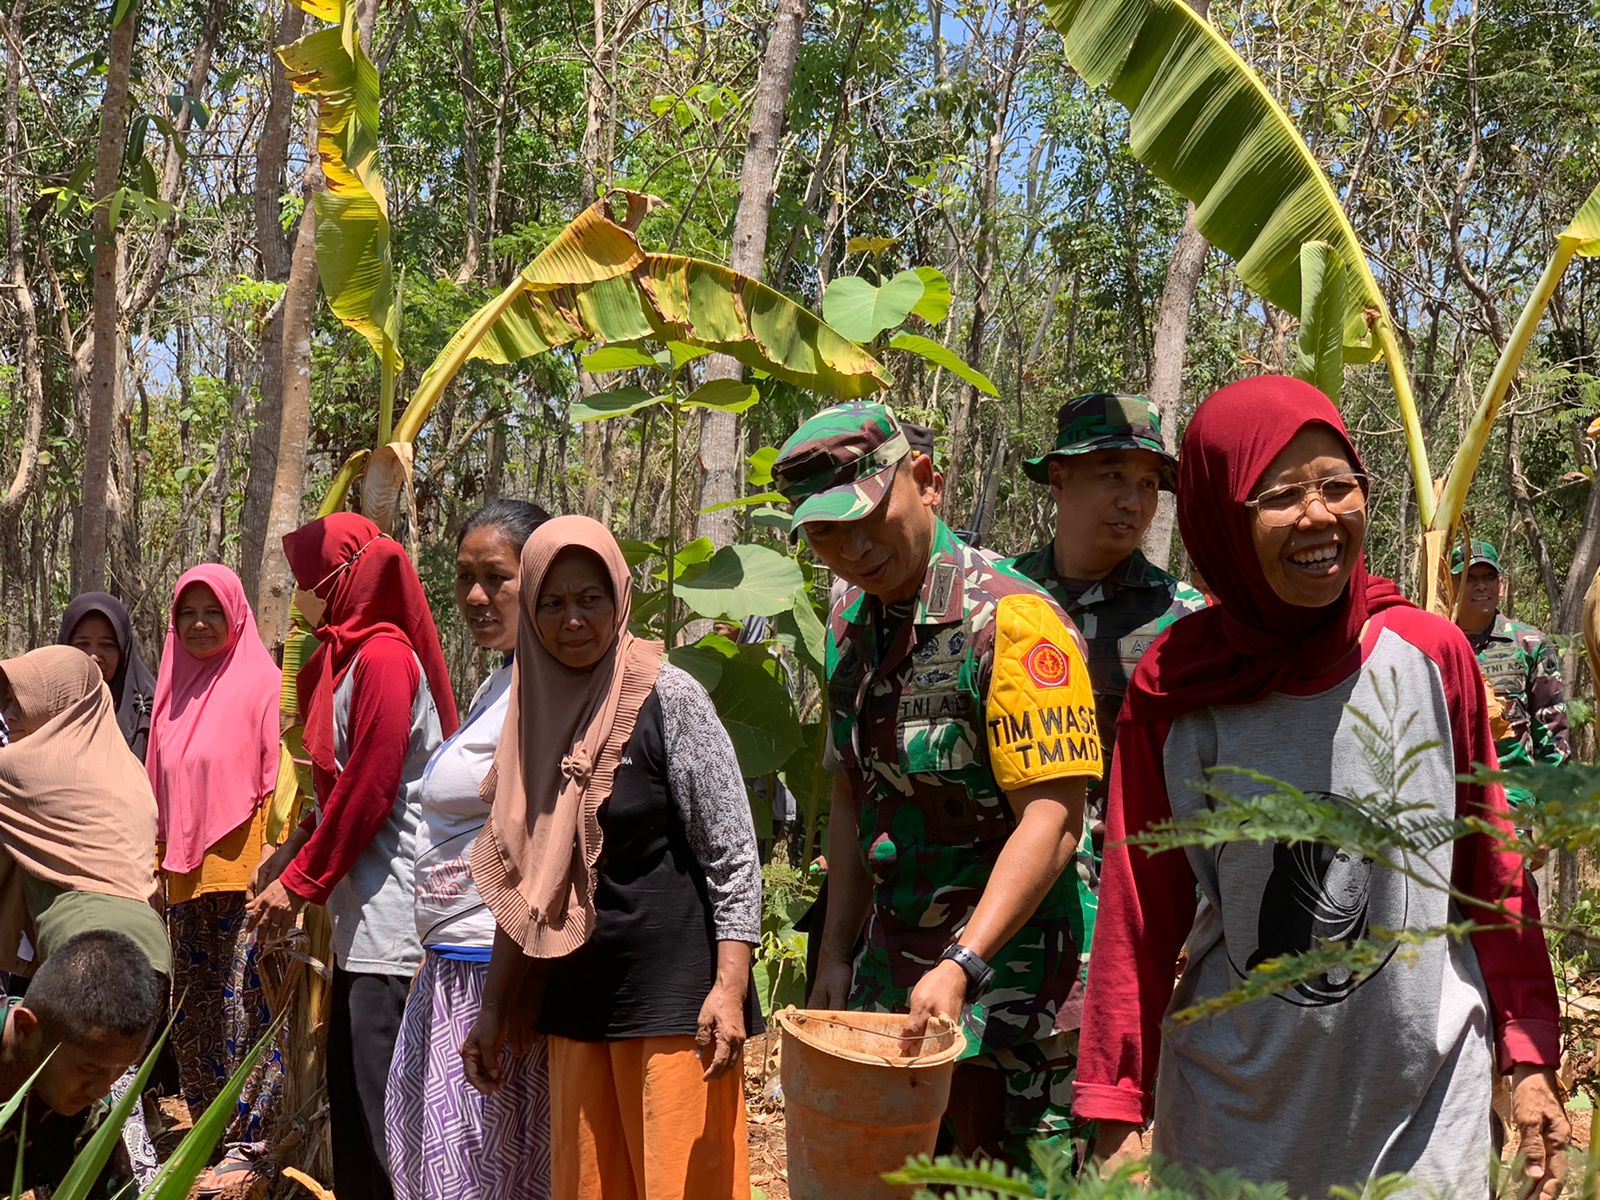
[1106, 421]
[838, 465]
[1482, 552]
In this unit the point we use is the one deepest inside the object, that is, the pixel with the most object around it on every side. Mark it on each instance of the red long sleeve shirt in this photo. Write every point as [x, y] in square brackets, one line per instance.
[355, 803]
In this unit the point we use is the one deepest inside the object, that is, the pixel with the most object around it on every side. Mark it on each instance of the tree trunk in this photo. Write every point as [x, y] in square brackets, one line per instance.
[1585, 562]
[1166, 365]
[272, 156]
[469, 145]
[721, 453]
[977, 332]
[276, 584]
[89, 565]
[29, 356]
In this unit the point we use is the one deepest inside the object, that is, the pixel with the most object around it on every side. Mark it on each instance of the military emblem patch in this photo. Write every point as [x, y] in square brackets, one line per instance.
[1046, 665]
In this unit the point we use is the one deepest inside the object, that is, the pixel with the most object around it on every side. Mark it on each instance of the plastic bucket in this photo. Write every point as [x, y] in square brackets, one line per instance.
[856, 1103]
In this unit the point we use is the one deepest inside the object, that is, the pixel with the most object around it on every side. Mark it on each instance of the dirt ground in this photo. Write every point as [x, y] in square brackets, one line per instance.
[768, 1153]
[769, 1168]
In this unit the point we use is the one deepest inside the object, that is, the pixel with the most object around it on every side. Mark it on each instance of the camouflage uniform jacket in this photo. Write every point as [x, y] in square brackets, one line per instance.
[939, 707]
[1520, 663]
[1119, 616]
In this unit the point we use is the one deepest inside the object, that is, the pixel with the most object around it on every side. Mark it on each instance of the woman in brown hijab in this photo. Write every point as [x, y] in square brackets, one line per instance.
[77, 832]
[621, 855]
[77, 816]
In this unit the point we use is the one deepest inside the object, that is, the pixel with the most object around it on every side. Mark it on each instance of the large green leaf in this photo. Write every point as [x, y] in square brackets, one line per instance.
[861, 310]
[941, 356]
[1320, 357]
[756, 710]
[352, 210]
[743, 581]
[723, 395]
[760, 472]
[705, 659]
[617, 358]
[1205, 123]
[1581, 238]
[935, 303]
[618, 403]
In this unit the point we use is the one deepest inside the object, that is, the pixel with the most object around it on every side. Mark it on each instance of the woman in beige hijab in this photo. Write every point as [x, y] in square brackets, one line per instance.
[77, 816]
[77, 833]
[620, 864]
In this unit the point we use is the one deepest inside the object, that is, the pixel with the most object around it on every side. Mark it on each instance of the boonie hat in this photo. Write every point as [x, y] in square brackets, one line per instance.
[839, 464]
[1482, 552]
[1106, 421]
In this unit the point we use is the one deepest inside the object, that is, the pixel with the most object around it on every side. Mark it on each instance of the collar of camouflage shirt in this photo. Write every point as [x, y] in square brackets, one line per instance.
[943, 588]
[1499, 631]
[1133, 571]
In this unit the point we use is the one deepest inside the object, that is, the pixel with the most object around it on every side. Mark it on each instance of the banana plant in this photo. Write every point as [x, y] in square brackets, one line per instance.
[352, 211]
[1204, 122]
[1581, 238]
[595, 284]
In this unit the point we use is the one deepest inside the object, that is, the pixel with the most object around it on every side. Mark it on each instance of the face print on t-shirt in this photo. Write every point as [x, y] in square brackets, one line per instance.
[1315, 895]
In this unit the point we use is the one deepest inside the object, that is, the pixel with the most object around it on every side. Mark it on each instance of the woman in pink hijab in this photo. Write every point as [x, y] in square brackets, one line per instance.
[213, 763]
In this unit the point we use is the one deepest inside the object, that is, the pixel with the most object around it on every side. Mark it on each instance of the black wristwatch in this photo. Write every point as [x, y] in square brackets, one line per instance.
[979, 973]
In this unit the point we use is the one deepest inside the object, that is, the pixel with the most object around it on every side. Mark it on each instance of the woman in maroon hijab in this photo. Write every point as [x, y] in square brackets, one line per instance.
[1345, 1076]
[376, 700]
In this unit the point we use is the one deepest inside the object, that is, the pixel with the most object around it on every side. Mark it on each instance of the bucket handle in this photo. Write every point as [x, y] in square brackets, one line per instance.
[890, 1037]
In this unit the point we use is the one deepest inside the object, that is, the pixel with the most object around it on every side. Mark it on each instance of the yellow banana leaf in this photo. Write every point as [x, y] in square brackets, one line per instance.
[352, 211]
[288, 797]
[1203, 121]
[1579, 239]
[594, 283]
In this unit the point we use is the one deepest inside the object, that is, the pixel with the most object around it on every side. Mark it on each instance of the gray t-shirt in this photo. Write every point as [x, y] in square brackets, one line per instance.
[1342, 1078]
[373, 908]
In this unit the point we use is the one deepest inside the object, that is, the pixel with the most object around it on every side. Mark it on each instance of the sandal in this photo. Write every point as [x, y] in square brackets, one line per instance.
[215, 1180]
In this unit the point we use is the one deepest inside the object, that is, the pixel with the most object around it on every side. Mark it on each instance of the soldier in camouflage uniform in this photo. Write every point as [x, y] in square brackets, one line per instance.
[960, 708]
[1105, 470]
[1520, 664]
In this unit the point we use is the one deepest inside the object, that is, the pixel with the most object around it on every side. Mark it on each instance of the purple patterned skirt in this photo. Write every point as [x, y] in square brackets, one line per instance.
[446, 1141]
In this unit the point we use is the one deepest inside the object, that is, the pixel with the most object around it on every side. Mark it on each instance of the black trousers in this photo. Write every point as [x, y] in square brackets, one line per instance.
[362, 1027]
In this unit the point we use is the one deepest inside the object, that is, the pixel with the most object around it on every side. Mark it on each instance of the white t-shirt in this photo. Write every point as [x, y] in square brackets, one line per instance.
[449, 911]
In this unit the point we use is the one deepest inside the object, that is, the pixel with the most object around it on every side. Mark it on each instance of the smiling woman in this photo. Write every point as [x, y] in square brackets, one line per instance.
[1275, 681]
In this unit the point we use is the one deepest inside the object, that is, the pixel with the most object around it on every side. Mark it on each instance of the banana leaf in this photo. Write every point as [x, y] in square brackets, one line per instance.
[594, 283]
[1320, 359]
[1581, 238]
[1203, 122]
[352, 211]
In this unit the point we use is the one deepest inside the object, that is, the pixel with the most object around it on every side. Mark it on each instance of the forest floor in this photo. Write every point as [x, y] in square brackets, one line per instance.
[769, 1154]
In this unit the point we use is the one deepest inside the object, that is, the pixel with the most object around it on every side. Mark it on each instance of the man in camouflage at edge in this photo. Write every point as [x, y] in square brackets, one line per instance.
[1520, 664]
[960, 707]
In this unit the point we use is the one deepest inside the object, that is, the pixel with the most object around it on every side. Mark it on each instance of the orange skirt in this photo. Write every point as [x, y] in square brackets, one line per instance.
[634, 1120]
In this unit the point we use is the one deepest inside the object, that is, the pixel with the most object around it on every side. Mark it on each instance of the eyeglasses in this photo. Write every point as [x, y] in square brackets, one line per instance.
[1340, 494]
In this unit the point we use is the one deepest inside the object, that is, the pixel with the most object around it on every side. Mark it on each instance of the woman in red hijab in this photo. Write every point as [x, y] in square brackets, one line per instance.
[376, 700]
[1305, 666]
